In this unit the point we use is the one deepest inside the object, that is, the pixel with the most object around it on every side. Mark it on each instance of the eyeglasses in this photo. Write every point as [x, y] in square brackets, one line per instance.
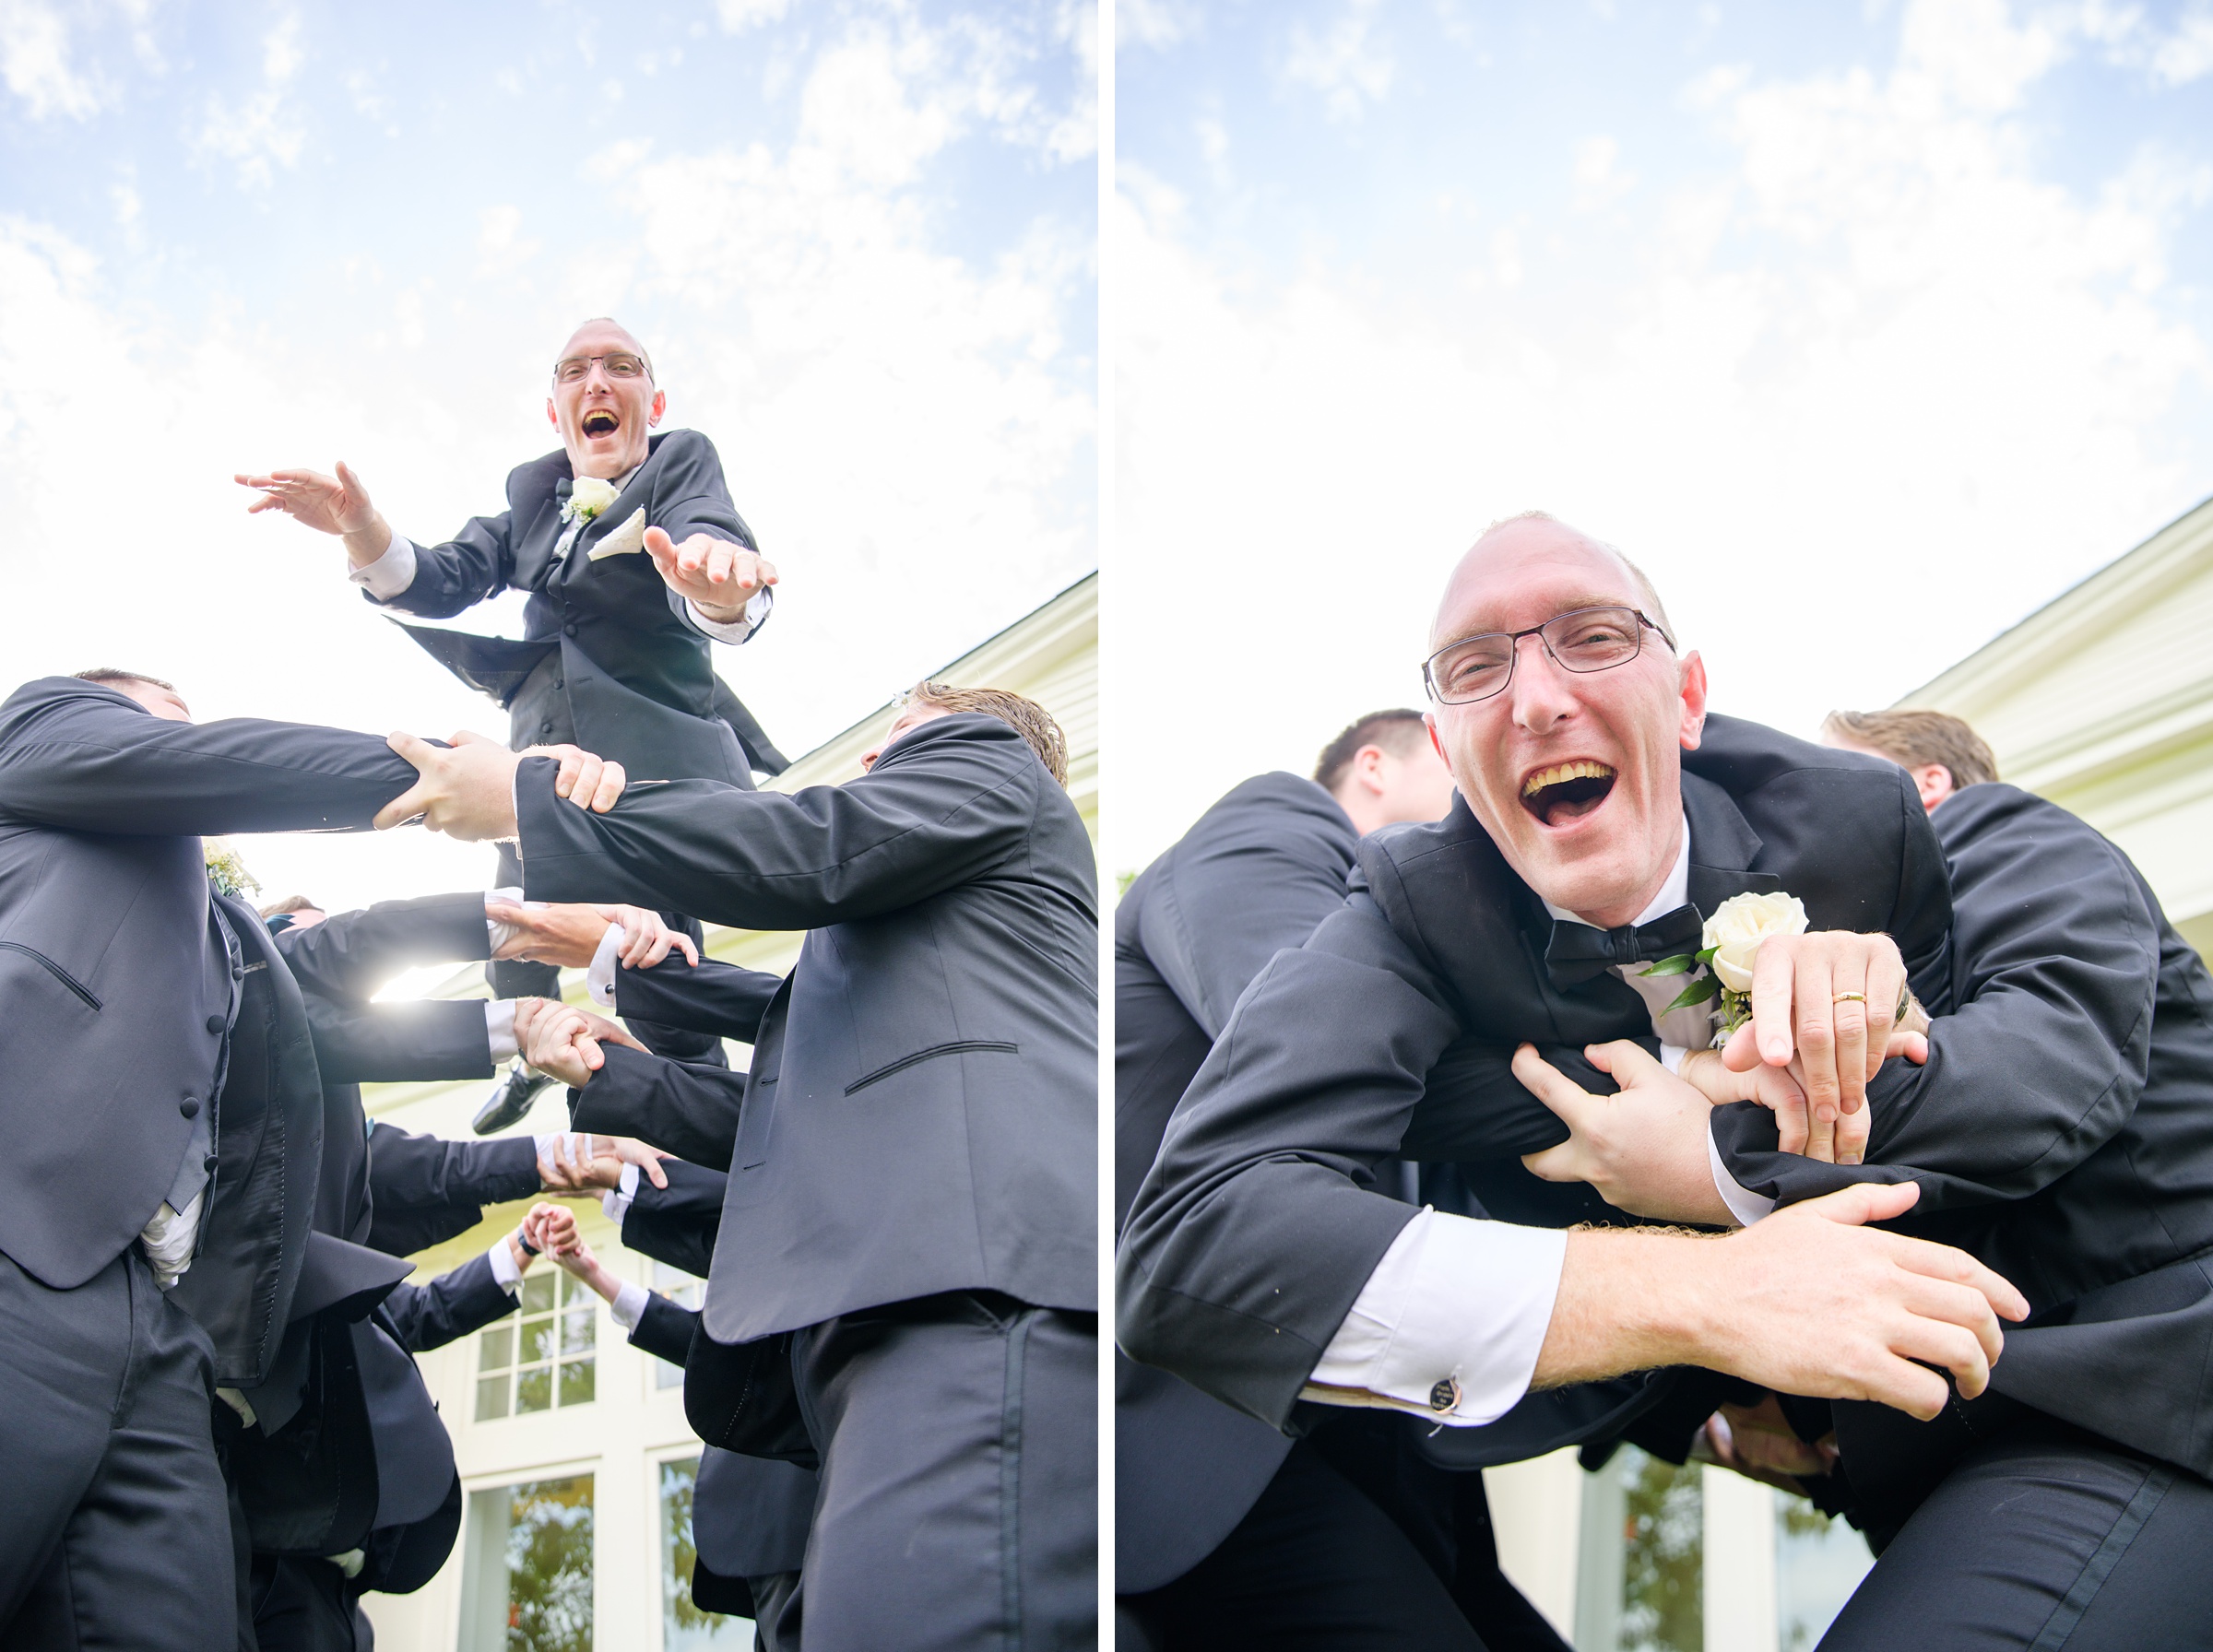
[621, 364]
[1582, 640]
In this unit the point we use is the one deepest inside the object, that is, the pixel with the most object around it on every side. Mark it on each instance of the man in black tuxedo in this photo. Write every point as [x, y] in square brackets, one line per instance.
[911, 1173]
[163, 1097]
[628, 589]
[1260, 1262]
[1219, 1541]
[2057, 1130]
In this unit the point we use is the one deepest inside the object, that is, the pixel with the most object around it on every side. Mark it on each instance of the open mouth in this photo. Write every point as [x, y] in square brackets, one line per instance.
[600, 422]
[1568, 791]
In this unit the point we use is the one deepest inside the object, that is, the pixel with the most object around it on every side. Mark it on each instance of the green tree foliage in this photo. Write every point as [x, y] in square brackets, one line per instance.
[1664, 1575]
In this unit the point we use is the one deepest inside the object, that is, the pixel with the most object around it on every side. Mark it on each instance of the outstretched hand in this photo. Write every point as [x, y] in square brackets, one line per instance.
[718, 577]
[466, 789]
[569, 936]
[1818, 1303]
[336, 504]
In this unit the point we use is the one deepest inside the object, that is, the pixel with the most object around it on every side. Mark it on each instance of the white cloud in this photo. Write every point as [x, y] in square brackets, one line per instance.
[1597, 182]
[1856, 406]
[1157, 24]
[36, 61]
[739, 15]
[1345, 64]
[263, 131]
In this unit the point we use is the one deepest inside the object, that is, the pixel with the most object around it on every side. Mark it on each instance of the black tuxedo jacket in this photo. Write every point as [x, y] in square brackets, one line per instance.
[636, 673]
[2060, 1129]
[1261, 1220]
[921, 1112]
[1253, 876]
[127, 983]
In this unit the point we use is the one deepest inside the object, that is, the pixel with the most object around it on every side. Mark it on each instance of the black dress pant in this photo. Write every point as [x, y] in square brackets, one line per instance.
[114, 1524]
[958, 1506]
[303, 1605]
[1315, 1566]
[2044, 1537]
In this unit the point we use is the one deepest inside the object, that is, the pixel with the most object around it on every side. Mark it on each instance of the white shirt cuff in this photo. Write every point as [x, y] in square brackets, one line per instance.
[615, 1202]
[1449, 1325]
[503, 1269]
[1670, 1057]
[391, 574]
[498, 1028]
[1746, 1205]
[497, 933]
[599, 975]
[579, 1144]
[629, 1306]
[733, 631]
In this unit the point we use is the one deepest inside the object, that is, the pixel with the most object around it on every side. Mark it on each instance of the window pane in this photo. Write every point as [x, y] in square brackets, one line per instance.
[492, 1397]
[685, 1628]
[526, 1568]
[576, 1381]
[1641, 1577]
[534, 1391]
[496, 1350]
[537, 1340]
[1818, 1562]
[537, 1293]
[579, 1331]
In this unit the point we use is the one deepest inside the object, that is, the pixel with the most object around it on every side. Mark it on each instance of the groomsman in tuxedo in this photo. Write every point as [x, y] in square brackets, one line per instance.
[1261, 1262]
[1219, 1539]
[166, 1112]
[2056, 1127]
[635, 561]
[911, 1172]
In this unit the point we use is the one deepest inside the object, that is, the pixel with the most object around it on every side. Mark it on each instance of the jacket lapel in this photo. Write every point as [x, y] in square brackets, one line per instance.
[1723, 847]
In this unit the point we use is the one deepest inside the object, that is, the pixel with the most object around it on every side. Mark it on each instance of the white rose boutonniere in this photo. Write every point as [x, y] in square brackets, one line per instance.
[588, 495]
[1731, 938]
[226, 871]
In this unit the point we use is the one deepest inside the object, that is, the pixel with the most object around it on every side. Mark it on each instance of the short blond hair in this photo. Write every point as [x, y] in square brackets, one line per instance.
[1913, 740]
[1025, 717]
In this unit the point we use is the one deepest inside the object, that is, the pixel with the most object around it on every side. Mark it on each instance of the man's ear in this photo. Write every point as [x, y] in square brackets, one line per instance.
[553, 418]
[660, 406]
[1693, 701]
[1934, 782]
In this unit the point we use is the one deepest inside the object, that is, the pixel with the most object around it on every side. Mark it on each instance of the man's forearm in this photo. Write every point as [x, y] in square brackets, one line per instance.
[1629, 1299]
[369, 544]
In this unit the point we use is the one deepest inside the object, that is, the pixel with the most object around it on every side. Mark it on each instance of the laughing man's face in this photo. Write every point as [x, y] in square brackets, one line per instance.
[604, 420]
[1577, 776]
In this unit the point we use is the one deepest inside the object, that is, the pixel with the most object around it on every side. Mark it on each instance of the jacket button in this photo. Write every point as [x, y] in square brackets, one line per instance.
[189, 1106]
[207, 1165]
[559, 683]
[546, 726]
[569, 629]
[215, 1023]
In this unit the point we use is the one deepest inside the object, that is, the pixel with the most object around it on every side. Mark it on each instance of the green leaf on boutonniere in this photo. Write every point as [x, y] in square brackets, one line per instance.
[1682, 963]
[1707, 956]
[1698, 992]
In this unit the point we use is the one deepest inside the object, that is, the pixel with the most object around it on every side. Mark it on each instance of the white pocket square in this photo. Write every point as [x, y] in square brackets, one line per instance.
[629, 537]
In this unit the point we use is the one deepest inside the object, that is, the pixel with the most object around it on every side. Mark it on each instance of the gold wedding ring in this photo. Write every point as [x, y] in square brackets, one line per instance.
[1850, 998]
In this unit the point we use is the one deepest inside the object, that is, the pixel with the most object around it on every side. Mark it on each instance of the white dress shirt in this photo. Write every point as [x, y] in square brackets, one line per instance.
[1449, 1325]
[390, 575]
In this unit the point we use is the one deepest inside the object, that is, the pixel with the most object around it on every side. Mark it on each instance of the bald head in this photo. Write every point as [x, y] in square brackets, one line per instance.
[1571, 761]
[1535, 539]
[604, 400]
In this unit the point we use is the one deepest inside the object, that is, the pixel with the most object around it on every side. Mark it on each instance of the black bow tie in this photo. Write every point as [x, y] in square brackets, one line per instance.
[1577, 953]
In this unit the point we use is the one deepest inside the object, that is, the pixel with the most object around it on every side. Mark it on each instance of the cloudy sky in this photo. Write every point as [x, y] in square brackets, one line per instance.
[858, 235]
[1867, 328]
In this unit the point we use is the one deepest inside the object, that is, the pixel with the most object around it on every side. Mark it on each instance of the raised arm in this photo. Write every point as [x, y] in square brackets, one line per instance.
[1260, 1221]
[417, 1042]
[435, 581]
[689, 1111]
[424, 1191]
[2058, 962]
[351, 956]
[718, 998]
[84, 758]
[952, 802]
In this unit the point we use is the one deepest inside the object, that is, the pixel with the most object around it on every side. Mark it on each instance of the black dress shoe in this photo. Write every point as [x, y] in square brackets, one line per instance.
[511, 1102]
